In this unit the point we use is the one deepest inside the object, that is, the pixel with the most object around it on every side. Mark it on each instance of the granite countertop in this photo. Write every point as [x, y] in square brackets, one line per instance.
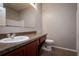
[4, 48]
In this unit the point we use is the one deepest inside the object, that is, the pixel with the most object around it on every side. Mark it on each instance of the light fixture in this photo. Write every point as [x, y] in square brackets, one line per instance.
[34, 5]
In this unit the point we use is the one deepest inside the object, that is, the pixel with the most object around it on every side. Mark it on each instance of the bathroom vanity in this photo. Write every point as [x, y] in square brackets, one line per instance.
[27, 48]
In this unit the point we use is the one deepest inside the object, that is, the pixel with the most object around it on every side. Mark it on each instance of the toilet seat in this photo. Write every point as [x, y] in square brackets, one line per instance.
[49, 41]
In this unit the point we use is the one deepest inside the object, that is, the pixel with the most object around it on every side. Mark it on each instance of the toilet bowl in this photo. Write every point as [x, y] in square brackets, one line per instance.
[48, 45]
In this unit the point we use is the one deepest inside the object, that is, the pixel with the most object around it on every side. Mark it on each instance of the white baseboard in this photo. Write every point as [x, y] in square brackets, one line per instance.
[65, 48]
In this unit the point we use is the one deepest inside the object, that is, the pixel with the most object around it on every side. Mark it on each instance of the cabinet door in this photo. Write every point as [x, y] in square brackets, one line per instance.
[31, 49]
[43, 38]
[17, 52]
[2, 16]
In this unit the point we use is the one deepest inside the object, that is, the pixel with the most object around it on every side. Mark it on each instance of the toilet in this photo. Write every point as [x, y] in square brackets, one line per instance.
[48, 45]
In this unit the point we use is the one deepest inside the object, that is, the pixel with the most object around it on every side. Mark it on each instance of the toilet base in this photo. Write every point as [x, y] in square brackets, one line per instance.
[47, 48]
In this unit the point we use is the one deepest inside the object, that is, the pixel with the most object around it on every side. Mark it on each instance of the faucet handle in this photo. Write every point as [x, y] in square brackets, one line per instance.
[8, 35]
[13, 35]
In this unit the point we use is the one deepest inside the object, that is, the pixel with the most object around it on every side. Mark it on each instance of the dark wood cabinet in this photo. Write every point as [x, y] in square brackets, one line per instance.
[17, 52]
[42, 39]
[30, 49]
[27, 50]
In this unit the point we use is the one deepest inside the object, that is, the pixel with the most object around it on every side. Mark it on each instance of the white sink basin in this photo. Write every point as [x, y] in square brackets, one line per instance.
[15, 39]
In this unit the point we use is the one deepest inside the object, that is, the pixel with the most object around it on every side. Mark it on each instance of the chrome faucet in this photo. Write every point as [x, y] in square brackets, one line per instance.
[11, 35]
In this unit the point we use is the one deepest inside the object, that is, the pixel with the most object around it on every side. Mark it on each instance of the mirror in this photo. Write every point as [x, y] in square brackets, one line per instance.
[20, 14]
[2, 16]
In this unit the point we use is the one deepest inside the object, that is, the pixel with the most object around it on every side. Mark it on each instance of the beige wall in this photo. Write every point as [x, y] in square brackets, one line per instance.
[59, 21]
[39, 18]
[77, 28]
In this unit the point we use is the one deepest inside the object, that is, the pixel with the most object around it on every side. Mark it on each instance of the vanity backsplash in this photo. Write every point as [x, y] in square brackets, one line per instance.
[4, 35]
